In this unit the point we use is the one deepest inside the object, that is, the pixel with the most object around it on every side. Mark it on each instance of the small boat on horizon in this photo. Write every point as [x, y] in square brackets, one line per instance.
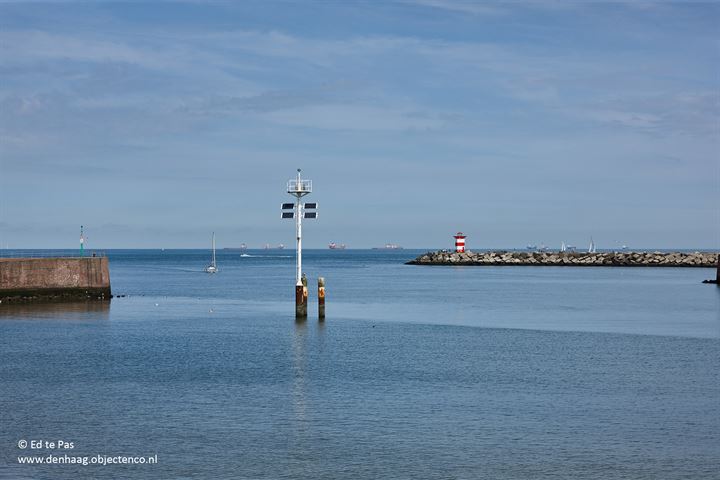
[335, 246]
[542, 248]
[212, 268]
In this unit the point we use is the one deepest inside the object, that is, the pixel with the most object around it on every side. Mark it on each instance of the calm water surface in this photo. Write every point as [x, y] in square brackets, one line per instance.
[418, 372]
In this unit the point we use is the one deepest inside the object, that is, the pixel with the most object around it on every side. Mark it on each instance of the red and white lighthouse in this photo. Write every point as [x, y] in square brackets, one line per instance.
[459, 242]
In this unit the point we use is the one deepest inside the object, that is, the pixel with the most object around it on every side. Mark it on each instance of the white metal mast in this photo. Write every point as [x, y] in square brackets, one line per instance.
[298, 234]
[299, 188]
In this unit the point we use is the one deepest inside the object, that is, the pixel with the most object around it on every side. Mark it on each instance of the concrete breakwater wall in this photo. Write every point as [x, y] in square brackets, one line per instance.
[604, 259]
[54, 279]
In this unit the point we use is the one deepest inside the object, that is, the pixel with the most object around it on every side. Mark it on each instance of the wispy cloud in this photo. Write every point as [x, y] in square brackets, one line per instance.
[460, 6]
[356, 117]
[527, 75]
[31, 45]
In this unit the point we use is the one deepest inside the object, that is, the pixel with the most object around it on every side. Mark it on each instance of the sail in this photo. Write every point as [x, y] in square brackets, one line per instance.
[213, 253]
[212, 268]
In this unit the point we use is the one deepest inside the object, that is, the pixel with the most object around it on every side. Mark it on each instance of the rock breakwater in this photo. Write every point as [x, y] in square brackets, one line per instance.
[574, 259]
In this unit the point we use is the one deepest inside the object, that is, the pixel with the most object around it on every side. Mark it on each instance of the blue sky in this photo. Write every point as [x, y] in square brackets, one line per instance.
[154, 124]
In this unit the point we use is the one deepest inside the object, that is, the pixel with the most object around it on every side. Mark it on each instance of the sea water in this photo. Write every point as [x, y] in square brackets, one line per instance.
[417, 372]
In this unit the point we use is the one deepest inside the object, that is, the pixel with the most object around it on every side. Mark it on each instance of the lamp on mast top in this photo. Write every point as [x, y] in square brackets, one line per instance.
[299, 187]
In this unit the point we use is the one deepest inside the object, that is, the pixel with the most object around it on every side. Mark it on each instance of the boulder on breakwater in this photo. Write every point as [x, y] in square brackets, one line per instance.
[571, 259]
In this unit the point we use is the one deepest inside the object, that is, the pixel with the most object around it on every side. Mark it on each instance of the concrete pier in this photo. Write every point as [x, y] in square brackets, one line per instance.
[570, 259]
[24, 280]
[717, 274]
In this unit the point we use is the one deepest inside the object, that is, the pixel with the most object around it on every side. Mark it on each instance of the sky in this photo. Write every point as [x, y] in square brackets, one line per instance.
[155, 124]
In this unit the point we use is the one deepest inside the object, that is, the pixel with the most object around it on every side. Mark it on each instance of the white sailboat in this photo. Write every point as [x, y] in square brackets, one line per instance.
[592, 246]
[212, 268]
[563, 247]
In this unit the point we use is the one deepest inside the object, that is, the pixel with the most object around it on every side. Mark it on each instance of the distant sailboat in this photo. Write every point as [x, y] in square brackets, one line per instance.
[212, 268]
[563, 247]
[592, 246]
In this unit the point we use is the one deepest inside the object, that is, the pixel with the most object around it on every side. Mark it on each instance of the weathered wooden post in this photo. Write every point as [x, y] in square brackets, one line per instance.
[301, 298]
[321, 298]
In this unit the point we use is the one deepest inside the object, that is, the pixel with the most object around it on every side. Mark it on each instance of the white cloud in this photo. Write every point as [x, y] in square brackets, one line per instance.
[461, 6]
[355, 117]
[24, 45]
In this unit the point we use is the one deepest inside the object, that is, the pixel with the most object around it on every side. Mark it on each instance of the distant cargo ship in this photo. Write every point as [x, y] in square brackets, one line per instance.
[389, 246]
[335, 246]
[279, 247]
[242, 247]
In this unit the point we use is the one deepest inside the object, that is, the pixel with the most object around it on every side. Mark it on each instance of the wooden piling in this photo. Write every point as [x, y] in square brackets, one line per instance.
[301, 298]
[300, 310]
[321, 298]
